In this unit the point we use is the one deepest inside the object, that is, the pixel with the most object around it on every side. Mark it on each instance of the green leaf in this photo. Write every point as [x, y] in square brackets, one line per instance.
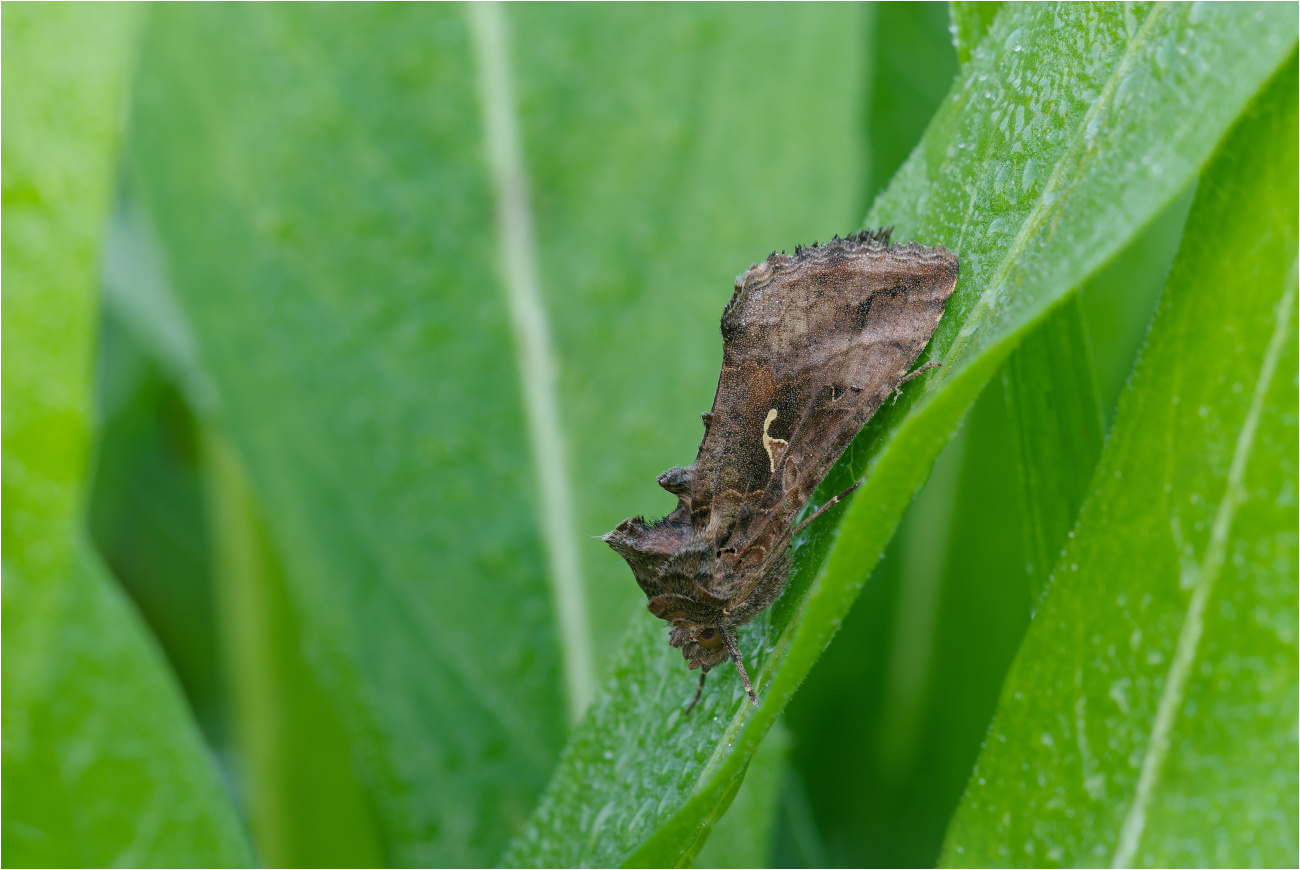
[744, 836]
[350, 255]
[1066, 135]
[146, 517]
[305, 803]
[103, 764]
[970, 22]
[1051, 392]
[913, 67]
[799, 842]
[1120, 300]
[902, 675]
[1156, 690]
[172, 514]
[890, 721]
[313, 234]
[924, 657]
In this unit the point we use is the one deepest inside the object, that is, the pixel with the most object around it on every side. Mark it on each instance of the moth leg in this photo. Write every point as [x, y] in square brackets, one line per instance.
[730, 639]
[898, 390]
[699, 690]
[824, 508]
[917, 373]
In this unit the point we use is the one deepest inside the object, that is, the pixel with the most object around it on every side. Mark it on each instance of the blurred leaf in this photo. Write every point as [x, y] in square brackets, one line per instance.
[1057, 427]
[1120, 300]
[1150, 716]
[1061, 106]
[146, 514]
[305, 804]
[314, 233]
[173, 514]
[744, 836]
[798, 841]
[331, 241]
[970, 22]
[102, 762]
[913, 67]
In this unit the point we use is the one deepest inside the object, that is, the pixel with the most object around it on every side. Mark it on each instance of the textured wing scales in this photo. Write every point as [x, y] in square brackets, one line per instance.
[812, 346]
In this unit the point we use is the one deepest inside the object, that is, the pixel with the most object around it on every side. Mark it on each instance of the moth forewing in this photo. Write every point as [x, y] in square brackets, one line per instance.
[813, 345]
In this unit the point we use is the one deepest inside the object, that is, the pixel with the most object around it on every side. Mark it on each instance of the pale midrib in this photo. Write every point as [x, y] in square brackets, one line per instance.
[1189, 636]
[533, 353]
[1037, 216]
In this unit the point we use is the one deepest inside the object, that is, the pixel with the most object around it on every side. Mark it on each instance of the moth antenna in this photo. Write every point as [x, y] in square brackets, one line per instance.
[729, 638]
[699, 690]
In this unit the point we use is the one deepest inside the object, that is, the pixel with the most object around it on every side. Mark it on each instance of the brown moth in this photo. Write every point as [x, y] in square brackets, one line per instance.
[812, 346]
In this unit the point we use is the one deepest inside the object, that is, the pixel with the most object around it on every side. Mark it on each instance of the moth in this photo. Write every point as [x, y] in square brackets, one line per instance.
[813, 345]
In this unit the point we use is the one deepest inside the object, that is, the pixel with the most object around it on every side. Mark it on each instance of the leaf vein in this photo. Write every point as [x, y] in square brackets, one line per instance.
[533, 353]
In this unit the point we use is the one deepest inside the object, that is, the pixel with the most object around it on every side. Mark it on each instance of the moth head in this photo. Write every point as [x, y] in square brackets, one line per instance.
[702, 646]
[709, 638]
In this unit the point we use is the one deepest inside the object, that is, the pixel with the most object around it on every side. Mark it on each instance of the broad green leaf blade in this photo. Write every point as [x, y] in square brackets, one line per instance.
[1150, 716]
[639, 782]
[352, 309]
[329, 241]
[102, 763]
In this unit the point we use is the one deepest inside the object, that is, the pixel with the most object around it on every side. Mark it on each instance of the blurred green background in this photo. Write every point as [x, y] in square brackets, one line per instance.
[284, 407]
